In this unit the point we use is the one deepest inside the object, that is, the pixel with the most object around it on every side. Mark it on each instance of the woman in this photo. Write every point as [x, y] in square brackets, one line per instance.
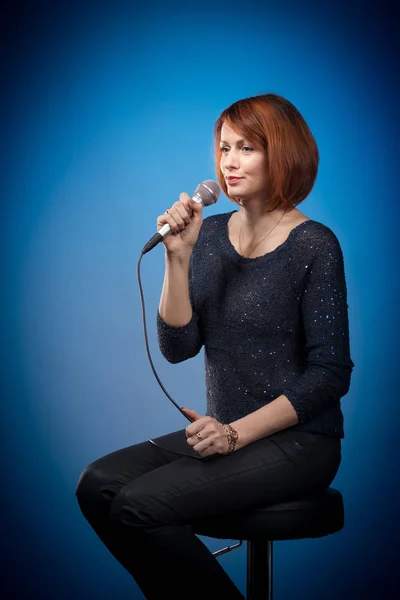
[263, 289]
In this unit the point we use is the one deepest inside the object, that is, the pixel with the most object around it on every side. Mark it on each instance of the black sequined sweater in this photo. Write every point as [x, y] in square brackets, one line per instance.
[271, 325]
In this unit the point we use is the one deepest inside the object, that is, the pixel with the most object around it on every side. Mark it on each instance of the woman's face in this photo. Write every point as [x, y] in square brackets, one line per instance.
[243, 166]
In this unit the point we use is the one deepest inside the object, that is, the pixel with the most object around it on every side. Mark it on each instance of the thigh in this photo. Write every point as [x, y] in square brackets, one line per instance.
[270, 470]
[102, 479]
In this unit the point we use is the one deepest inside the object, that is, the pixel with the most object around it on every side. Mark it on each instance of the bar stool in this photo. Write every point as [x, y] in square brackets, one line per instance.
[316, 515]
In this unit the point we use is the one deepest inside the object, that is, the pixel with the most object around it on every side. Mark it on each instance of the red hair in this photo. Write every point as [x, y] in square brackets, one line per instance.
[274, 124]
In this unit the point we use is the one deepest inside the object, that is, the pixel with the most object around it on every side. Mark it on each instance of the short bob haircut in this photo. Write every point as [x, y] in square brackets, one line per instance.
[270, 122]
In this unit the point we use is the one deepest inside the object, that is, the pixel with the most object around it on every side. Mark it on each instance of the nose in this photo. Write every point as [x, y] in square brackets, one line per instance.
[230, 160]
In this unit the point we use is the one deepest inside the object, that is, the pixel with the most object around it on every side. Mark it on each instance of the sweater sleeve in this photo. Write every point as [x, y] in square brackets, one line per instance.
[180, 343]
[326, 377]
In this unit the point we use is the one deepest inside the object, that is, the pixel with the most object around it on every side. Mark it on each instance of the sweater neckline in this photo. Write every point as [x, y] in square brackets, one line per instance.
[234, 253]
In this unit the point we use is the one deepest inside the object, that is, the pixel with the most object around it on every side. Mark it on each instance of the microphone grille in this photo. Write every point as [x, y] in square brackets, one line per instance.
[208, 191]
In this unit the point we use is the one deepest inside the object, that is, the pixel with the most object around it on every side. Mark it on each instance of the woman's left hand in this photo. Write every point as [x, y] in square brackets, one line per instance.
[206, 435]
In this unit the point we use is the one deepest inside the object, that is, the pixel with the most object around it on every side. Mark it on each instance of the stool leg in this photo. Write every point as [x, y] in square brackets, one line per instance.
[259, 570]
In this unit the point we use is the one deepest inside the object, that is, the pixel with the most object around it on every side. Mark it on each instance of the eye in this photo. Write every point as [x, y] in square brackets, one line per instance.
[247, 148]
[223, 148]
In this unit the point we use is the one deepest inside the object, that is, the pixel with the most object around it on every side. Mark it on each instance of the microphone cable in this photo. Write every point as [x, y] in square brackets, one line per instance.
[157, 444]
[147, 341]
[206, 193]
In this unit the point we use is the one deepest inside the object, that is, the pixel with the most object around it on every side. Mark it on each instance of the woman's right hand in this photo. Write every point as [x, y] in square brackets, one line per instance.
[184, 229]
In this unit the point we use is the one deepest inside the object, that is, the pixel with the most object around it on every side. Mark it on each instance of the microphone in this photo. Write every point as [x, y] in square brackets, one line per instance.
[206, 193]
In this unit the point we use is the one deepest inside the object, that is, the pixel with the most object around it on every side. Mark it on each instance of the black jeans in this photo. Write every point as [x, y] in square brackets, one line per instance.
[141, 500]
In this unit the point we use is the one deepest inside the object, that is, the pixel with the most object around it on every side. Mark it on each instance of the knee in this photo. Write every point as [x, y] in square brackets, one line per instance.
[90, 489]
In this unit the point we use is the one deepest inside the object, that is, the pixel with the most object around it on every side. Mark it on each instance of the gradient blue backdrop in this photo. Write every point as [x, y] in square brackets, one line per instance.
[108, 111]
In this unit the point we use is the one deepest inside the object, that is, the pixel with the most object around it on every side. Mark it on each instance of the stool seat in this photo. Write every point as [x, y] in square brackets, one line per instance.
[316, 515]
[311, 516]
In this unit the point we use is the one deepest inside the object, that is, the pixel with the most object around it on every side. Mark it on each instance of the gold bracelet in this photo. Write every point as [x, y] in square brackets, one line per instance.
[232, 437]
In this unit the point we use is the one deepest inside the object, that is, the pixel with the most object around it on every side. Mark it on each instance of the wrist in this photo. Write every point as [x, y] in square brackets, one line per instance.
[233, 437]
[181, 258]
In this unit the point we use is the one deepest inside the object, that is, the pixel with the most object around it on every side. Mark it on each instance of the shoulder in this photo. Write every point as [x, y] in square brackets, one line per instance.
[211, 231]
[213, 224]
[316, 236]
[215, 221]
[315, 244]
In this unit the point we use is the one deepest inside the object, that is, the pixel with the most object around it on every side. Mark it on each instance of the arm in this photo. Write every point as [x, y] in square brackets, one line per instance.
[326, 377]
[179, 335]
[175, 307]
[324, 312]
[274, 416]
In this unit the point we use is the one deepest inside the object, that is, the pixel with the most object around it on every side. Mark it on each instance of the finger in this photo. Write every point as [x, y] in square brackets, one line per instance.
[196, 436]
[192, 414]
[185, 198]
[209, 452]
[212, 443]
[204, 448]
[199, 435]
[197, 427]
[175, 213]
[192, 440]
[168, 217]
[184, 207]
[183, 210]
[200, 445]
[197, 212]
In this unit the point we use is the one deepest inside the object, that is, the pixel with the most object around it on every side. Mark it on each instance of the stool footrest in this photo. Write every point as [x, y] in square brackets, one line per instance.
[227, 549]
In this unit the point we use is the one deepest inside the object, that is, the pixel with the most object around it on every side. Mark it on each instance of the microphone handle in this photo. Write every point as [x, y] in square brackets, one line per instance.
[165, 230]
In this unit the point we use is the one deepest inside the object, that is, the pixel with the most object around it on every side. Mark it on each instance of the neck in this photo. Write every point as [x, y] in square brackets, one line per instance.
[255, 220]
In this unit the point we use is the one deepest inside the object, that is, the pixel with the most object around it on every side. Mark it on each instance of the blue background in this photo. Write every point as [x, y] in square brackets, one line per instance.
[107, 113]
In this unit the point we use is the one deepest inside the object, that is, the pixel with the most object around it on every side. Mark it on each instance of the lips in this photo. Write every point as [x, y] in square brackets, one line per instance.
[233, 179]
